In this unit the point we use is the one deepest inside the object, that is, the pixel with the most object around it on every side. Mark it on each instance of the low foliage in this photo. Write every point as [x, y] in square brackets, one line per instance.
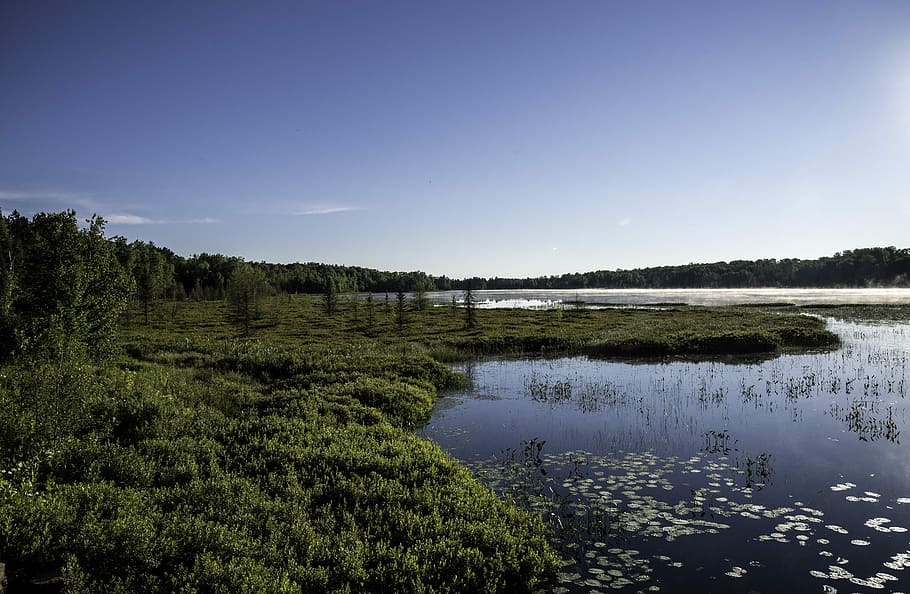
[221, 466]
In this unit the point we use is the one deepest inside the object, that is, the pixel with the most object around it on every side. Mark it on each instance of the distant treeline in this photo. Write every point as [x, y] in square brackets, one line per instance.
[878, 266]
[205, 276]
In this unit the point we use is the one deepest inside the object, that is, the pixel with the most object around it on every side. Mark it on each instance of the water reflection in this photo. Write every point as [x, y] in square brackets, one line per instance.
[645, 472]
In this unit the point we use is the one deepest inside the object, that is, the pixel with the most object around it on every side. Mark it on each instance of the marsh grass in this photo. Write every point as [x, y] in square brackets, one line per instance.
[615, 332]
[861, 312]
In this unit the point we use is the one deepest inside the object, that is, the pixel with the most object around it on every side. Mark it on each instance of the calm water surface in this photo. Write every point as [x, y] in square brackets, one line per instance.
[785, 475]
[521, 298]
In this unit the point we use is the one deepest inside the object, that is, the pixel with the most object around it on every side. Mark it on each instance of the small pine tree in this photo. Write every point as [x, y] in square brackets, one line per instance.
[370, 314]
[400, 310]
[152, 272]
[245, 289]
[330, 295]
[421, 301]
[355, 310]
[470, 308]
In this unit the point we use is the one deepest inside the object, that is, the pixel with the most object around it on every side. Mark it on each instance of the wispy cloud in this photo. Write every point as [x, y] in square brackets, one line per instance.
[295, 208]
[127, 219]
[323, 210]
[625, 222]
[49, 199]
[26, 195]
[49, 196]
[131, 219]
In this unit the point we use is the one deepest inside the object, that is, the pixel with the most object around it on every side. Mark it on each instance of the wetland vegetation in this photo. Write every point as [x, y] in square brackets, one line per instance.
[444, 333]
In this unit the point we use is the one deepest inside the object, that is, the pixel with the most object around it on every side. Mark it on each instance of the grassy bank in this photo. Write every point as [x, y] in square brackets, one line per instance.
[199, 461]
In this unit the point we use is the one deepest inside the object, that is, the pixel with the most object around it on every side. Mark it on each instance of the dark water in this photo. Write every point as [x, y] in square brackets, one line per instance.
[786, 475]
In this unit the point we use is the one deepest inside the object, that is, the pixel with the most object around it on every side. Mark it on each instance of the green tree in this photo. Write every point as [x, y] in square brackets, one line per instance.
[245, 288]
[400, 309]
[62, 288]
[370, 314]
[153, 274]
[421, 301]
[330, 295]
[355, 310]
[470, 307]
[10, 259]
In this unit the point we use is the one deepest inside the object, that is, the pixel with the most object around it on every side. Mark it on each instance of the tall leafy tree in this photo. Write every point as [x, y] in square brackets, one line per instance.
[61, 286]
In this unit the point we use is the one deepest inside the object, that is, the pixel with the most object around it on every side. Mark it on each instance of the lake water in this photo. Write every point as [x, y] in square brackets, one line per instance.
[784, 475]
[524, 298]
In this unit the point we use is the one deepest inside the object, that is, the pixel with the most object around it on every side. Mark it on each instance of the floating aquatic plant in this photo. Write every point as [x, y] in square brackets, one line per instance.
[597, 505]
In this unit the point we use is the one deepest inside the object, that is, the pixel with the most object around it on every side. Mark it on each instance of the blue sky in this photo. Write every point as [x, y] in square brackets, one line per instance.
[461, 138]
